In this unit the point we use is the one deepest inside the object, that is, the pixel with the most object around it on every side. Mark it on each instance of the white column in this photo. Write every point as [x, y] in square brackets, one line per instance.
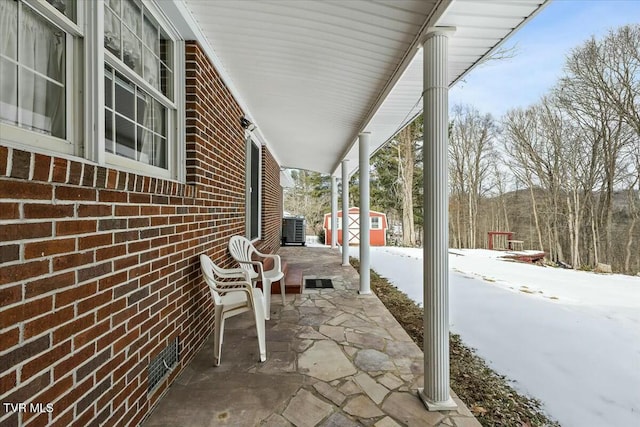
[365, 279]
[345, 214]
[435, 393]
[334, 212]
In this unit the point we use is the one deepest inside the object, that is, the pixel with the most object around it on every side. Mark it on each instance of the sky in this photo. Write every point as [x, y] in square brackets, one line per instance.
[541, 48]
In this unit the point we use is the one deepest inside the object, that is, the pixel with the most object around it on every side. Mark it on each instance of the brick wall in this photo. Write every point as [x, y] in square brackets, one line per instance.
[99, 267]
[271, 203]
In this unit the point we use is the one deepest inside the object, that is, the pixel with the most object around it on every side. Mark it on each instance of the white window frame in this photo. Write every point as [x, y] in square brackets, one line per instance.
[249, 190]
[84, 86]
[378, 220]
[176, 111]
[14, 135]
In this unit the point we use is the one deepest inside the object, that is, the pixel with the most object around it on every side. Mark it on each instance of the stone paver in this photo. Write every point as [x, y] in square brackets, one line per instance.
[363, 407]
[326, 361]
[375, 391]
[334, 359]
[306, 410]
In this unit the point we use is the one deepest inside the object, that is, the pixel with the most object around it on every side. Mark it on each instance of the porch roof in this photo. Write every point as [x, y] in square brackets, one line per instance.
[313, 74]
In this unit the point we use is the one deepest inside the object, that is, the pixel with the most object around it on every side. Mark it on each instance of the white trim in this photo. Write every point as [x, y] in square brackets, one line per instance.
[93, 108]
[54, 16]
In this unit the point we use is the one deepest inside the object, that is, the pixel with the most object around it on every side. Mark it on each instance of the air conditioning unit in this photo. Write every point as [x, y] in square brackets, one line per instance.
[293, 231]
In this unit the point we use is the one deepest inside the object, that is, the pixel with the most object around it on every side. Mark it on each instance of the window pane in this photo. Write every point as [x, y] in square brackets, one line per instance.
[108, 131]
[66, 7]
[41, 46]
[132, 17]
[8, 91]
[112, 37]
[41, 104]
[125, 101]
[108, 88]
[9, 25]
[131, 51]
[160, 152]
[166, 74]
[114, 5]
[125, 138]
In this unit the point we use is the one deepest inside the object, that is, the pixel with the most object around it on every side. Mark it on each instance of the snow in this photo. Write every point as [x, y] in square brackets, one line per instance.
[568, 338]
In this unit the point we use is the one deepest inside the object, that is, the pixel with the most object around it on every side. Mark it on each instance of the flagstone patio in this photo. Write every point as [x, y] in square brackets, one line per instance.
[334, 358]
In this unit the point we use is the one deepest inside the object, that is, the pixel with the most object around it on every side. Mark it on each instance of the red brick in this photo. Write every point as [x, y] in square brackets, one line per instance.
[9, 253]
[4, 154]
[96, 270]
[19, 272]
[20, 164]
[75, 193]
[57, 389]
[42, 167]
[91, 334]
[8, 339]
[112, 196]
[10, 295]
[127, 210]
[24, 351]
[25, 190]
[94, 210]
[47, 322]
[42, 210]
[47, 284]
[121, 264]
[59, 170]
[87, 242]
[72, 260]
[77, 293]
[64, 332]
[13, 315]
[111, 252]
[9, 210]
[45, 360]
[25, 231]
[75, 227]
[46, 248]
[77, 358]
[7, 382]
[94, 302]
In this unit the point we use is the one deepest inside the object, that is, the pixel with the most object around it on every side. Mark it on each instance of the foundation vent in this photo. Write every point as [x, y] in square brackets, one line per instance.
[163, 364]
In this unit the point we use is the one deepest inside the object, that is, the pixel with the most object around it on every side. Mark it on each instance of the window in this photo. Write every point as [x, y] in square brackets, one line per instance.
[375, 223]
[253, 190]
[139, 108]
[129, 116]
[36, 65]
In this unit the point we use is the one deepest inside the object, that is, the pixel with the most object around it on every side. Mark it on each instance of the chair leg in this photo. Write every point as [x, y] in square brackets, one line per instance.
[266, 288]
[282, 291]
[218, 334]
[258, 312]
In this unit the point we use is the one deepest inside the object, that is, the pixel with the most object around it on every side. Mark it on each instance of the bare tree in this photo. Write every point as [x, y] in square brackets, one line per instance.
[471, 145]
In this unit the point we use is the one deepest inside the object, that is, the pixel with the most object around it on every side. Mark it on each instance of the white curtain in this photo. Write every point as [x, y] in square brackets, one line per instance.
[8, 69]
[40, 52]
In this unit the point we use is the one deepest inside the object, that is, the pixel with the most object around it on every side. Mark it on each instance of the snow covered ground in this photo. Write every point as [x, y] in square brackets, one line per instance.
[569, 338]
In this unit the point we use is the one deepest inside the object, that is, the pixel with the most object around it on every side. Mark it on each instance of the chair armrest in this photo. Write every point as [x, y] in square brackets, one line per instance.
[256, 264]
[276, 260]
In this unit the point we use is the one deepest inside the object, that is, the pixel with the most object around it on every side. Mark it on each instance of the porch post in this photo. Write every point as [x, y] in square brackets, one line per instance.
[363, 150]
[435, 393]
[334, 211]
[345, 214]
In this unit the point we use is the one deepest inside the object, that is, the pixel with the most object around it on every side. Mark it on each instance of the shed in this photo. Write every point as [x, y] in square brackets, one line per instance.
[377, 223]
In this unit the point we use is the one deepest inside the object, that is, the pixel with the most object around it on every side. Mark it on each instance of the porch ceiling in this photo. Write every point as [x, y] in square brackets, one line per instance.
[313, 74]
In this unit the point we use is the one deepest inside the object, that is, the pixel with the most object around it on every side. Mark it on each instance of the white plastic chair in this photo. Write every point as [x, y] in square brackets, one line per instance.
[232, 298]
[243, 251]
